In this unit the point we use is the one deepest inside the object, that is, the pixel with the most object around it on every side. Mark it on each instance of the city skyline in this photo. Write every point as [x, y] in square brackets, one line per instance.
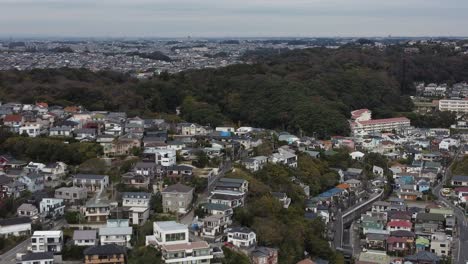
[209, 18]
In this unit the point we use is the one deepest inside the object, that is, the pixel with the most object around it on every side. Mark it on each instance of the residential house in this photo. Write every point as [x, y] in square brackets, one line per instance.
[136, 180]
[177, 198]
[399, 225]
[17, 226]
[213, 226]
[255, 163]
[85, 134]
[440, 244]
[61, 131]
[172, 239]
[356, 155]
[219, 209]
[85, 238]
[94, 183]
[54, 170]
[96, 211]
[264, 255]
[34, 182]
[178, 172]
[47, 241]
[193, 129]
[73, 195]
[105, 254]
[284, 157]
[117, 231]
[28, 210]
[31, 129]
[242, 237]
[36, 258]
[14, 122]
[52, 207]
[423, 257]
[138, 204]
[459, 180]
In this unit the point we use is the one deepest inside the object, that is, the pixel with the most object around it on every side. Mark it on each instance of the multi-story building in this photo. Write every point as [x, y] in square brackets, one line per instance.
[172, 239]
[242, 237]
[454, 105]
[47, 241]
[93, 182]
[105, 254]
[96, 211]
[440, 244]
[264, 255]
[32, 129]
[52, 207]
[71, 194]
[379, 125]
[117, 231]
[137, 204]
[177, 198]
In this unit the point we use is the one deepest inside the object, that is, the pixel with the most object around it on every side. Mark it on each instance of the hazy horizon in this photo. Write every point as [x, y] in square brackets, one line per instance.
[240, 18]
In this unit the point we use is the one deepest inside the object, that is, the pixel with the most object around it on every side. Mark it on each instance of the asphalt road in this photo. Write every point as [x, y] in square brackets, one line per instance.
[10, 256]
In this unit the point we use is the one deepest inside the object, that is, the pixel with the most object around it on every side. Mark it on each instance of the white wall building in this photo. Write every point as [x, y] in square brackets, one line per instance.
[53, 207]
[241, 237]
[454, 105]
[47, 241]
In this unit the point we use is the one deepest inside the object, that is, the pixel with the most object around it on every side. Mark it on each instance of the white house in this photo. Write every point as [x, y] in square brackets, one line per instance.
[172, 239]
[93, 182]
[117, 231]
[85, 238]
[53, 207]
[447, 143]
[284, 157]
[28, 210]
[242, 237]
[32, 130]
[377, 170]
[164, 157]
[47, 241]
[357, 155]
[15, 226]
[138, 204]
[255, 163]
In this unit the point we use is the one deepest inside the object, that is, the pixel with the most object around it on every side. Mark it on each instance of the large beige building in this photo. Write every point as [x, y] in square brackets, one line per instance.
[454, 105]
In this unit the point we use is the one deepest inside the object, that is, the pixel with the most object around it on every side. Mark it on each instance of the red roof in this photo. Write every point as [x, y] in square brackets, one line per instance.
[42, 104]
[385, 120]
[12, 118]
[400, 224]
[359, 112]
[393, 239]
[461, 189]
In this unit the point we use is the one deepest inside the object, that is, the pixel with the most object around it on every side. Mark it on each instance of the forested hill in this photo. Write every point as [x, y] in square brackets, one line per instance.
[309, 90]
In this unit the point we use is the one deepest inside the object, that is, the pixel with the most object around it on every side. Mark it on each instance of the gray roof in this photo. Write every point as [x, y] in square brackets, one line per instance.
[14, 221]
[109, 249]
[142, 195]
[125, 230]
[232, 180]
[461, 178]
[240, 229]
[37, 256]
[178, 187]
[216, 207]
[423, 256]
[84, 234]
[89, 176]
[430, 217]
[27, 207]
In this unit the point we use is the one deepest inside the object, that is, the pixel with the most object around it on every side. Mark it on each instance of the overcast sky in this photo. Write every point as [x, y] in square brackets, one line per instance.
[233, 18]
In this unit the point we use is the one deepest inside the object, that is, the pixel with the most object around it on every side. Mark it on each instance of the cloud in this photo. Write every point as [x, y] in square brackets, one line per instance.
[233, 17]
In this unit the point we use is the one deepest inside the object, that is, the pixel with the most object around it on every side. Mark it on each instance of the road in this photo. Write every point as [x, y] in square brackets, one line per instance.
[460, 250]
[188, 218]
[10, 256]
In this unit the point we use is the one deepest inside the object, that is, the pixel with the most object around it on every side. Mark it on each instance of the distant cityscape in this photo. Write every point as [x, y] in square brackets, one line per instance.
[145, 58]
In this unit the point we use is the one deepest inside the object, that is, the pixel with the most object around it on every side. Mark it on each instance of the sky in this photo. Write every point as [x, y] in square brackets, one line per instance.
[233, 18]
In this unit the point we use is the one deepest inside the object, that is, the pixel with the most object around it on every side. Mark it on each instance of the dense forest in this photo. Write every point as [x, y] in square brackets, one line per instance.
[310, 90]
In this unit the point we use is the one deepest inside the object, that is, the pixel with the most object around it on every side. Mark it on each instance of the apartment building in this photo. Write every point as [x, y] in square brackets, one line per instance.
[379, 125]
[47, 241]
[177, 198]
[96, 211]
[454, 105]
[52, 207]
[117, 231]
